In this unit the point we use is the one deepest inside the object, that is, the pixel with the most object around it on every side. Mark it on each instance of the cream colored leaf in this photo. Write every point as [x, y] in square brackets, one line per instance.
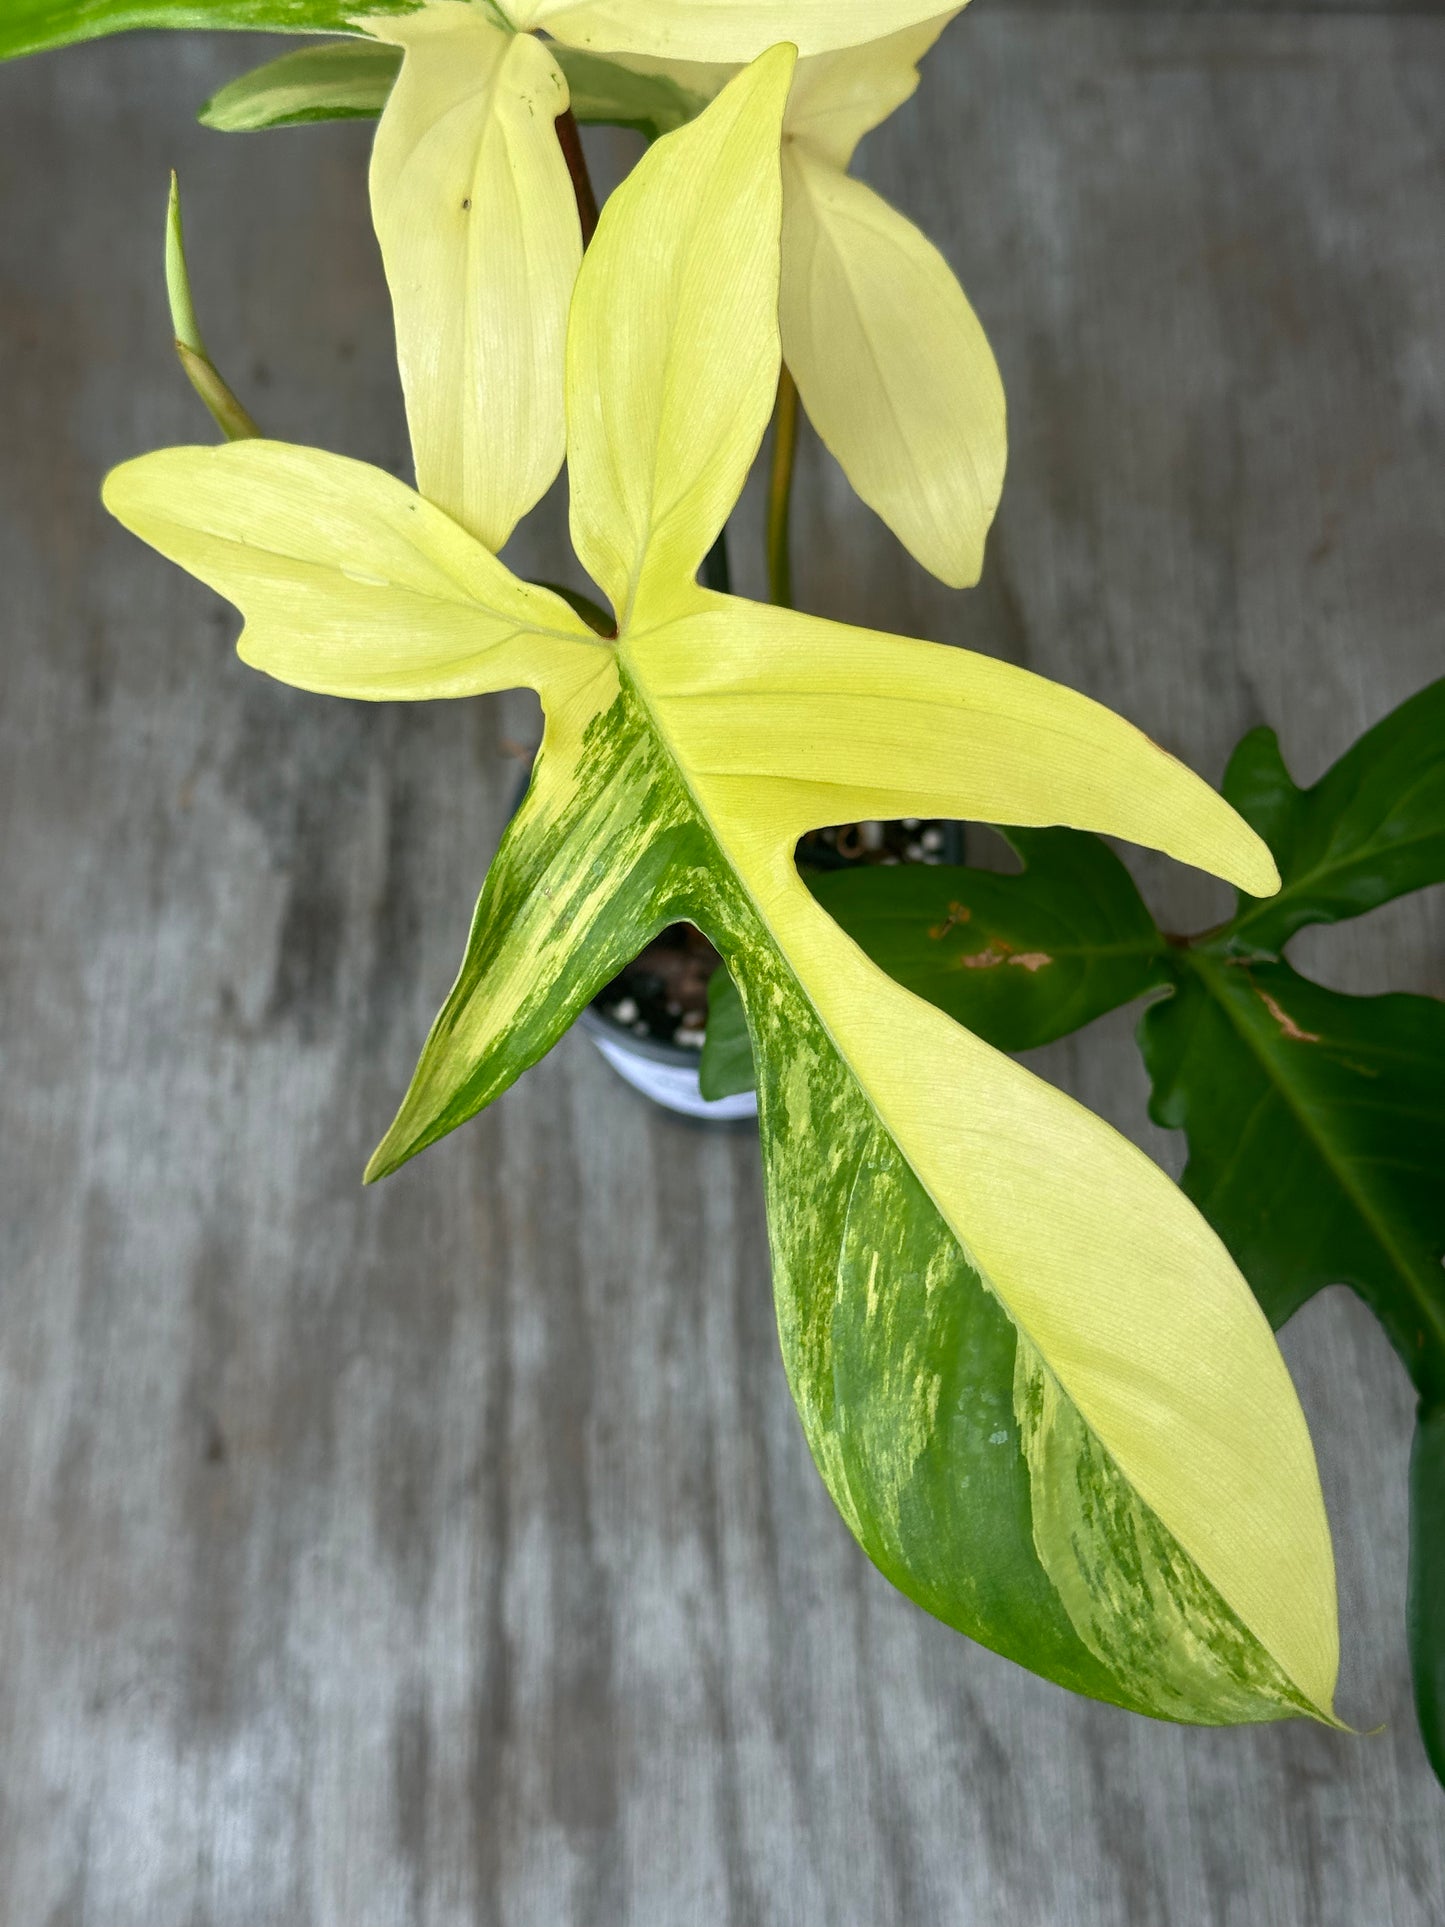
[801, 723]
[717, 29]
[350, 583]
[475, 213]
[838, 97]
[672, 353]
[893, 367]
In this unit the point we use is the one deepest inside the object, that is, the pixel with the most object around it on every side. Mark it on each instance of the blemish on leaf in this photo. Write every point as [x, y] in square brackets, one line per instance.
[957, 913]
[1287, 1025]
[1032, 960]
[994, 953]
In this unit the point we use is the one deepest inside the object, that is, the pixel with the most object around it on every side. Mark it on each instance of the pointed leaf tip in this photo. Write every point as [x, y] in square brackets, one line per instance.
[666, 413]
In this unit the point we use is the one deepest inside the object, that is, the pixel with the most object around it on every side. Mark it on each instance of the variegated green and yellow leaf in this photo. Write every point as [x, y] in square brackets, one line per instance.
[341, 80]
[1038, 1390]
[28, 26]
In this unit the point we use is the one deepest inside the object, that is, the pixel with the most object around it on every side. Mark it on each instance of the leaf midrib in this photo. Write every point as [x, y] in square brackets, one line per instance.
[1206, 970]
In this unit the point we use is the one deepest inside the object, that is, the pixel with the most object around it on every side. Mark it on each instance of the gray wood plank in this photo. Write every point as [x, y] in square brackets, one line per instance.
[449, 1552]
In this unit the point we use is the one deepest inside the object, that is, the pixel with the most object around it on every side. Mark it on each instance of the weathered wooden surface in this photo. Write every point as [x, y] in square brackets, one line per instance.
[448, 1552]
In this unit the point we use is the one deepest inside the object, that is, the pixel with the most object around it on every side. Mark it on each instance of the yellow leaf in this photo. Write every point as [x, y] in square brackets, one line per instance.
[893, 367]
[672, 355]
[838, 97]
[351, 584]
[798, 723]
[731, 30]
[475, 213]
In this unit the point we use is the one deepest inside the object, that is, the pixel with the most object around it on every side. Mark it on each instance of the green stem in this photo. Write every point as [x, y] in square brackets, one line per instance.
[780, 490]
[227, 413]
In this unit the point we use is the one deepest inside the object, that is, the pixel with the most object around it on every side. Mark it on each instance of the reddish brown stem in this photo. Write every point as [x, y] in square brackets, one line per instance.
[571, 139]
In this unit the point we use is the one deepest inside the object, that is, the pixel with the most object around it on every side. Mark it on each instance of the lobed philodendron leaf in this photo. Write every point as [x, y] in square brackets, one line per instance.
[1372, 828]
[1019, 959]
[1037, 1388]
[1316, 1121]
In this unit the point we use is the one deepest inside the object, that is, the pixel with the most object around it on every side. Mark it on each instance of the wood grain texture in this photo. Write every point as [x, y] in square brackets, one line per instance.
[449, 1552]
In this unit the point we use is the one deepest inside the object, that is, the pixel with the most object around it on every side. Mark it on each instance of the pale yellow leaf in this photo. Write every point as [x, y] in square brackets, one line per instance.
[672, 355]
[800, 722]
[350, 583]
[477, 220]
[838, 97]
[717, 29]
[893, 367]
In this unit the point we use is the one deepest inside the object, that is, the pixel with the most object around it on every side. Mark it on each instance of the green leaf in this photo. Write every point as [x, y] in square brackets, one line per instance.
[1040, 1394]
[28, 26]
[347, 80]
[725, 1066]
[1316, 1121]
[1372, 828]
[1316, 1126]
[1019, 959]
[1425, 1613]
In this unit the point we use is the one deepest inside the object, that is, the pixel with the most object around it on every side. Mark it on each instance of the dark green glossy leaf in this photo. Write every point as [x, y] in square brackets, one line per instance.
[1425, 1617]
[1371, 829]
[1316, 1122]
[1316, 1126]
[28, 26]
[1019, 959]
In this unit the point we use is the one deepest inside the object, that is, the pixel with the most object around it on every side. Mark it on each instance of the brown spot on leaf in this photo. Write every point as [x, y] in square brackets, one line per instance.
[1032, 960]
[1287, 1025]
[957, 913]
[985, 959]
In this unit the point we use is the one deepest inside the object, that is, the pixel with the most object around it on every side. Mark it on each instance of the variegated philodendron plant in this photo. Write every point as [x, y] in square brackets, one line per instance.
[1039, 1391]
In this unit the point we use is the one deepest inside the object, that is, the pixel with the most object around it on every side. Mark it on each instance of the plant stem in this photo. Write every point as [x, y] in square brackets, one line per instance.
[227, 413]
[571, 140]
[780, 490]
